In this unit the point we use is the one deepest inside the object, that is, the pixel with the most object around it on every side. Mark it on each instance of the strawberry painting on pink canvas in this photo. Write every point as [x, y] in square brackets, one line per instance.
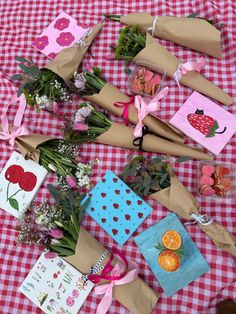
[205, 122]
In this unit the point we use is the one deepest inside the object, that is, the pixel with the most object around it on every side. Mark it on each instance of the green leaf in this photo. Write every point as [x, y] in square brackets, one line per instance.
[147, 181]
[21, 89]
[14, 203]
[55, 193]
[193, 15]
[62, 251]
[183, 158]
[21, 59]
[164, 177]
[29, 70]
[16, 77]
[157, 160]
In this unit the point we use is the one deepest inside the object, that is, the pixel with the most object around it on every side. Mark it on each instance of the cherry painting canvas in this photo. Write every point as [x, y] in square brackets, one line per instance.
[205, 122]
[20, 180]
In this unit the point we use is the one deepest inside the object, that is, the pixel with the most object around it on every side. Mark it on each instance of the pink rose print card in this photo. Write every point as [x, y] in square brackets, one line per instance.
[20, 180]
[62, 33]
[116, 208]
[55, 286]
[205, 122]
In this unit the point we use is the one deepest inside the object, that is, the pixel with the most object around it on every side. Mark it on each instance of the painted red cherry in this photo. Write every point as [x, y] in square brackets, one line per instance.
[115, 219]
[92, 209]
[115, 205]
[114, 231]
[14, 173]
[103, 180]
[103, 220]
[28, 181]
[140, 215]
[128, 202]
[115, 179]
[104, 207]
[117, 192]
[103, 194]
[90, 194]
[127, 191]
[139, 202]
[127, 231]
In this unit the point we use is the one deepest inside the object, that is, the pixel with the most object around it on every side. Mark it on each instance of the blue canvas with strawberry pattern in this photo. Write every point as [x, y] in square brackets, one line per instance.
[116, 208]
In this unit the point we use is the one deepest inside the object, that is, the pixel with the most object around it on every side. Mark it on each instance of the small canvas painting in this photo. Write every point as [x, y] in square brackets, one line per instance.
[20, 180]
[205, 122]
[55, 286]
[62, 33]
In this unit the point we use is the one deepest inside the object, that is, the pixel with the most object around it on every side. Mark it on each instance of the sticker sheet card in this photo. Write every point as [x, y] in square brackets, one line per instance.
[116, 208]
[205, 122]
[62, 33]
[20, 180]
[183, 270]
[55, 286]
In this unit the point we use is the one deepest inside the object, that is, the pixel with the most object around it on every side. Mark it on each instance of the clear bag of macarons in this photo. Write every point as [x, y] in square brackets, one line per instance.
[216, 180]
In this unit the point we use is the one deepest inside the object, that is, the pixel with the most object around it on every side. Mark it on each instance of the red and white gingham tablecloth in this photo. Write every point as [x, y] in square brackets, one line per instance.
[20, 22]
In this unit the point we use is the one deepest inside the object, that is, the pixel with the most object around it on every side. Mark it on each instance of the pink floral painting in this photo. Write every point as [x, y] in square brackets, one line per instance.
[63, 32]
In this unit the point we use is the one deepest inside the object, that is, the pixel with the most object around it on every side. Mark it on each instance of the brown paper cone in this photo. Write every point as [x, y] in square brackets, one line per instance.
[109, 94]
[179, 200]
[135, 296]
[122, 136]
[193, 33]
[69, 59]
[155, 54]
[221, 237]
[27, 145]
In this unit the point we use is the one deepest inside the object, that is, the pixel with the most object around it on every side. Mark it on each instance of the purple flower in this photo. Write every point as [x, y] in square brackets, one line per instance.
[50, 255]
[65, 39]
[71, 181]
[41, 42]
[56, 233]
[61, 24]
[52, 55]
[80, 81]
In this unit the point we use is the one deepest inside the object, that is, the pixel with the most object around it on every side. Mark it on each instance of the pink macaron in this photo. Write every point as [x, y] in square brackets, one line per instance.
[207, 190]
[205, 179]
[208, 170]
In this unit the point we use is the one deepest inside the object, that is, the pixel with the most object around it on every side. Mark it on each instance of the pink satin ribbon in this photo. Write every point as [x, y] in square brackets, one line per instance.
[117, 271]
[186, 67]
[145, 107]
[17, 129]
[125, 105]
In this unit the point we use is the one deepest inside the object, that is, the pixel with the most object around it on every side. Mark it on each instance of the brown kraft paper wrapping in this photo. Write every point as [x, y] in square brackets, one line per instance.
[109, 94]
[179, 200]
[69, 59]
[135, 296]
[158, 56]
[194, 33]
[27, 145]
[122, 136]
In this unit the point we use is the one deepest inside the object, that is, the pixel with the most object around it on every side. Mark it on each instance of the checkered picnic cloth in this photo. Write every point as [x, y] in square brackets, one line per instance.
[21, 21]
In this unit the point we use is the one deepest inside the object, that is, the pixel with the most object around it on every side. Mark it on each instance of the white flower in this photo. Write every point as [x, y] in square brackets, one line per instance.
[80, 81]
[82, 114]
[42, 101]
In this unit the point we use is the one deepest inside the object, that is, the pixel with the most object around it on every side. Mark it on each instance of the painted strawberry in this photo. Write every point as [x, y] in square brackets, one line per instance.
[203, 123]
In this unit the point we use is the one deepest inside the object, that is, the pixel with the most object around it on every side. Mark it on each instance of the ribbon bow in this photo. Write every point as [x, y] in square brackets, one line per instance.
[107, 288]
[202, 219]
[144, 108]
[17, 129]
[186, 67]
[125, 105]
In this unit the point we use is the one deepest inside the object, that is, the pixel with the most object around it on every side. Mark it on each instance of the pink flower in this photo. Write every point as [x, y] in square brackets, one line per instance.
[75, 293]
[55, 107]
[56, 233]
[88, 67]
[65, 39]
[79, 159]
[80, 81]
[71, 181]
[70, 301]
[52, 55]
[82, 114]
[41, 42]
[80, 127]
[110, 56]
[61, 23]
[50, 255]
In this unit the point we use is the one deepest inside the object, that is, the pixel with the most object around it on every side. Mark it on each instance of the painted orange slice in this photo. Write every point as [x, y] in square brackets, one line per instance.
[172, 240]
[169, 261]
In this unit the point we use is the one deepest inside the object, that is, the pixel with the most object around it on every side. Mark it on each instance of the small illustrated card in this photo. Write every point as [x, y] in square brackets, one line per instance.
[62, 33]
[205, 122]
[171, 254]
[20, 180]
[116, 208]
[55, 286]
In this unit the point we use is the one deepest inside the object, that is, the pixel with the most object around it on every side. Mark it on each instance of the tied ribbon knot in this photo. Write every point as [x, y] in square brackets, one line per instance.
[186, 67]
[125, 276]
[17, 130]
[125, 105]
[144, 107]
